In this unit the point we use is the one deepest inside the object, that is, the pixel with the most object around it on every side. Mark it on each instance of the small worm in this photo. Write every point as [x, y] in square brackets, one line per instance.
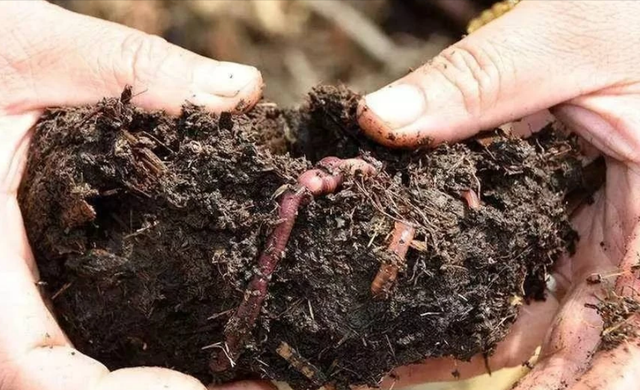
[472, 199]
[388, 272]
[239, 326]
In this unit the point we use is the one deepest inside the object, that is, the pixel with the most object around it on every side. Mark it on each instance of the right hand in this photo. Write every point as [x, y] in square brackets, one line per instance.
[579, 58]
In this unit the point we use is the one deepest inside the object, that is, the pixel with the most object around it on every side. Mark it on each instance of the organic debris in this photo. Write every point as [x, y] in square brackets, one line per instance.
[168, 238]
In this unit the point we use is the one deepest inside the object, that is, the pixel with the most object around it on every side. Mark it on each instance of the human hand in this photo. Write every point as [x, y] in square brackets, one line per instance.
[52, 57]
[579, 59]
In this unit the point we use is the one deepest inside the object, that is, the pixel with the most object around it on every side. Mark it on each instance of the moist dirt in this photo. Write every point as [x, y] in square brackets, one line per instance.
[147, 228]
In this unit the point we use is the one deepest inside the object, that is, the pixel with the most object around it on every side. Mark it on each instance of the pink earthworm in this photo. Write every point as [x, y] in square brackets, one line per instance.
[472, 199]
[325, 179]
[385, 278]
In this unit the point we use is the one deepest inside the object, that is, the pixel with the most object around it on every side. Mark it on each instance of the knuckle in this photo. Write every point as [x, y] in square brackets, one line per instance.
[472, 71]
[142, 56]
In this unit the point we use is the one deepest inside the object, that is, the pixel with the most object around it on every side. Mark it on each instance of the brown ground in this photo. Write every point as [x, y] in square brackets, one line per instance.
[147, 229]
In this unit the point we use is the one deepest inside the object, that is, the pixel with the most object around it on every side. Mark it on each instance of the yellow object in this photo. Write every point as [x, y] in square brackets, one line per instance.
[503, 379]
[500, 380]
[497, 10]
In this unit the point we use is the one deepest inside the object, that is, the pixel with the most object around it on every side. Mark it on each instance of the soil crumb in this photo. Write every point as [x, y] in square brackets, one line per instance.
[147, 229]
[617, 313]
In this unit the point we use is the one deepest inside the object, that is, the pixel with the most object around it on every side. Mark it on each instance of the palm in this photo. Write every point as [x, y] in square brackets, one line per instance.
[14, 248]
[27, 325]
[87, 60]
[569, 332]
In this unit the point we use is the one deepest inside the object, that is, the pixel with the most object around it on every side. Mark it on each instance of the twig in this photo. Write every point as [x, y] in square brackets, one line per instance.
[301, 364]
[62, 290]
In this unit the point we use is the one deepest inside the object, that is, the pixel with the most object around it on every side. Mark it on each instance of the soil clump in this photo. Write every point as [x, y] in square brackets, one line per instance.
[147, 229]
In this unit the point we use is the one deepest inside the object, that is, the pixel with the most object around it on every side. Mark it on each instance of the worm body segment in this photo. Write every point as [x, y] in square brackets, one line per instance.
[388, 272]
[319, 181]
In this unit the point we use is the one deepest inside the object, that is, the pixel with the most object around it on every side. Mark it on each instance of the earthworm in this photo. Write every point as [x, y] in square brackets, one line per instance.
[315, 182]
[473, 201]
[388, 272]
[240, 325]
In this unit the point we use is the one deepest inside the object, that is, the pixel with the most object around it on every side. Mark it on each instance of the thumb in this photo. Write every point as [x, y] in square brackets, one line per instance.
[57, 57]
[538, 55]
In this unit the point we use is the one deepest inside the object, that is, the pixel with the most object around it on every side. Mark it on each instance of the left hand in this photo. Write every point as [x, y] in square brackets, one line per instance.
[52, 57]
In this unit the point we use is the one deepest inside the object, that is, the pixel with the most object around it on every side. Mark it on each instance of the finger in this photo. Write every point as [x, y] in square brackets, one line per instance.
[524, 337]
[147, 378]
[628, 283]
[25, 321]
[532, 58]
[34, 352]
[64, 368]
[529, 125]
[618, 369]
[244, 385]
[607, 121]
[568, 347]
[14, 142]
[81, 59]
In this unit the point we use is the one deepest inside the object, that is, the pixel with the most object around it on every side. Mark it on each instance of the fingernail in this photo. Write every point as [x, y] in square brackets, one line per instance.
[397, 105]
[226, 79]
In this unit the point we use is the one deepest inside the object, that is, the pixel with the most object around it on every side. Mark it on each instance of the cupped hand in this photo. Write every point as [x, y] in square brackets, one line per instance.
[52, 57]
[580, 59]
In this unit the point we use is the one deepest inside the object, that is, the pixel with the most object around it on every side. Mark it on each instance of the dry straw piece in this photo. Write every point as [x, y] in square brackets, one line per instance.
[488, 15]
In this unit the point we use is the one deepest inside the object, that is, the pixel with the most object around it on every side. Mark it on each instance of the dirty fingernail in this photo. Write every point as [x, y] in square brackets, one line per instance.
[226, 79]
[397, 105]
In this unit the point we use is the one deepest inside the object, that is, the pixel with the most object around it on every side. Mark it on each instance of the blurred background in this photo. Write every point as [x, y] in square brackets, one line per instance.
[300, 43]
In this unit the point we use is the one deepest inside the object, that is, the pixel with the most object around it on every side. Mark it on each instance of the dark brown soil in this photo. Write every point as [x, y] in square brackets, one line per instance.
[147, 228]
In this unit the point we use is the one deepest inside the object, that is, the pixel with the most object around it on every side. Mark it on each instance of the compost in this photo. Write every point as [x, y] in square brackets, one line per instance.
[282, 244]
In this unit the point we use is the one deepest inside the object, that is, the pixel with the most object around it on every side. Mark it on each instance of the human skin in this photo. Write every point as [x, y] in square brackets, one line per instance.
[52, 57]
[580, 60]
[577, 57]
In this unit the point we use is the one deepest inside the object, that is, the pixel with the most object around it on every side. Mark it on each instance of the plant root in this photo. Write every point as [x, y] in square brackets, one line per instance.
[386, 277]
[325, 179]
